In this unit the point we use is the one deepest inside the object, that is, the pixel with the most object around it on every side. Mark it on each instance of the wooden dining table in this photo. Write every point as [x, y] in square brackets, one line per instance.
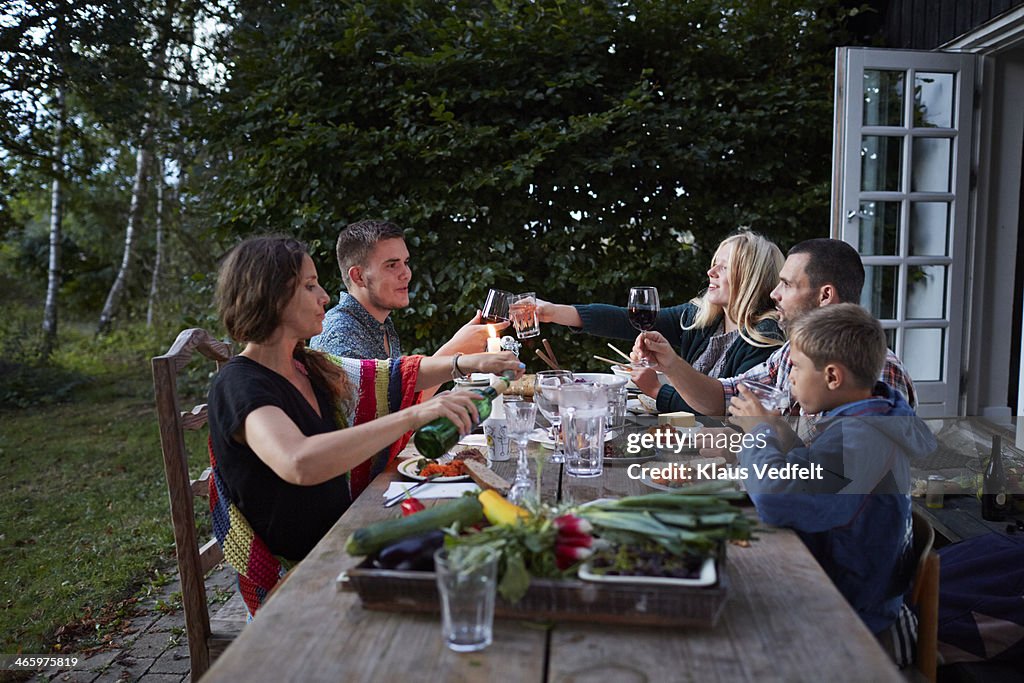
[783, 620]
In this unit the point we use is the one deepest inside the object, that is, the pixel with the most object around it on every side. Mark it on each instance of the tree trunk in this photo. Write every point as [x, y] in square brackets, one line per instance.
[56, 210]
[154, 285]
[110, 308]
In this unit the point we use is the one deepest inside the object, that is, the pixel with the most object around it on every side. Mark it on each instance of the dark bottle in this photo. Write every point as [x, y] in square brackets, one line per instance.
[995, 495]
[436, 438]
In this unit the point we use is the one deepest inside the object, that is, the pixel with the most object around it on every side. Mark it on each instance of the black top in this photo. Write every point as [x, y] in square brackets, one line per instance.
[289, 518]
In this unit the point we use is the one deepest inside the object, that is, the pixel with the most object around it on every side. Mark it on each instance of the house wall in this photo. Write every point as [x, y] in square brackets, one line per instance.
[926, 24]
[997, 226]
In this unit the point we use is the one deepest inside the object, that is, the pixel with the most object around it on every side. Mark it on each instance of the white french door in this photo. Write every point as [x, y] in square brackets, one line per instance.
[901, 186]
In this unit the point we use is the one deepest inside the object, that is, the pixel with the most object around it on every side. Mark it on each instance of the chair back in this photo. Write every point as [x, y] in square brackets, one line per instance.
[924, 595]
[195, 559]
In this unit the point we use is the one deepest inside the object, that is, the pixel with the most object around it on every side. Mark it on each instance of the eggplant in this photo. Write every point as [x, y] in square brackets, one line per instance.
[415, 553]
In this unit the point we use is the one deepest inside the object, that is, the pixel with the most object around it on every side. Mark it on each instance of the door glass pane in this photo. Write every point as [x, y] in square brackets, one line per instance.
[890, 338]
[879, 228]
[933, 162]
[883, 98]
[933, 100]
[926, 292]
[922, 353]
[929, 229]
[879, 293]
[881, 162]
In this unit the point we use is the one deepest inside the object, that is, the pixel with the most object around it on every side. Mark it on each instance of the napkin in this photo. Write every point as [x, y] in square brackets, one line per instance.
[432, 490]
[473, 440]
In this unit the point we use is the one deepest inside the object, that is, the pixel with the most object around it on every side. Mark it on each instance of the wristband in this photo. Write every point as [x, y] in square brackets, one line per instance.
[456, 372]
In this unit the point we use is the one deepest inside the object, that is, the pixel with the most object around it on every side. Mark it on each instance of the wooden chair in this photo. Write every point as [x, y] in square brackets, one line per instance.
[194, 560]
[924, 595]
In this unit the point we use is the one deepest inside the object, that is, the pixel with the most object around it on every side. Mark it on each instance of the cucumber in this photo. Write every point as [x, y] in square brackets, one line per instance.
[466, 511]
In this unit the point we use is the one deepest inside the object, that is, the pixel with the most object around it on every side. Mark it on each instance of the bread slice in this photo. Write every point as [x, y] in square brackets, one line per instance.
[485, 477]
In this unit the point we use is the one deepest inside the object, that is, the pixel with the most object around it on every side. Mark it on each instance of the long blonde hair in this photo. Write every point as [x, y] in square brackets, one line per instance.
[753, 273]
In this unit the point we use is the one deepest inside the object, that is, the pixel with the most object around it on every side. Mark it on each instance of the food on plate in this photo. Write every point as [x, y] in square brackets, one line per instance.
[645, 559]
[455, 468]
[485, 477]
[467, 454]
[678, 419]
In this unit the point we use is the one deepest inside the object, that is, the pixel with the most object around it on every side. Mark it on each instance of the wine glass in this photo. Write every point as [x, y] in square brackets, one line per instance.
[520, 417]
[643, 310]
[545, 395]
[495, 308]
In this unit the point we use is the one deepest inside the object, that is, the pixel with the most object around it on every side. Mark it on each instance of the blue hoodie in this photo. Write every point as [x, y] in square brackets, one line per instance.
[855, 517]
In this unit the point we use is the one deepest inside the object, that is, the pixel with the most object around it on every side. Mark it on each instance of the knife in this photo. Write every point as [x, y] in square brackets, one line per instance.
[404, 494]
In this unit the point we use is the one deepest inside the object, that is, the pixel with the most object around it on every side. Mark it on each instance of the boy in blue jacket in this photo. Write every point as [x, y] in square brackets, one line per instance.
[853, 510]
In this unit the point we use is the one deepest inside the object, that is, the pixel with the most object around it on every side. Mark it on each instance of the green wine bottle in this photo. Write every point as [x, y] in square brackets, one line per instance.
[436, 438]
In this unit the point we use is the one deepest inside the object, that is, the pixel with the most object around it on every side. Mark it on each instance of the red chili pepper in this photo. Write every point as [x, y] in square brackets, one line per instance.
[411, 506]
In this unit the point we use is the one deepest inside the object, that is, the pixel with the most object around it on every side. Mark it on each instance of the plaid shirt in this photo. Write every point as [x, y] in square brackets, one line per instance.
[351, 332]
[775, 372]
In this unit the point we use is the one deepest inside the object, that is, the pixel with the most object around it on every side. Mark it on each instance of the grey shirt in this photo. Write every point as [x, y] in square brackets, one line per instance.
[351, 332]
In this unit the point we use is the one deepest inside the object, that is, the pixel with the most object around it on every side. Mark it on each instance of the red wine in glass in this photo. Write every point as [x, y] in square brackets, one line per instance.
[643, 309]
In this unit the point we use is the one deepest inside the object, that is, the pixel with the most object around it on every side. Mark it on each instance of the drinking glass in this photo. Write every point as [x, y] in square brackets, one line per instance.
[643, 309]
[520, 417]
[496, 305]
[770, 397]
[523, 313]
[466, 584]
[584, 408]
[545, 396]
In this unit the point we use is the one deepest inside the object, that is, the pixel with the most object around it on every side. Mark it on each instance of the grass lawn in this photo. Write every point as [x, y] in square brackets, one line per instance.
[84, 521]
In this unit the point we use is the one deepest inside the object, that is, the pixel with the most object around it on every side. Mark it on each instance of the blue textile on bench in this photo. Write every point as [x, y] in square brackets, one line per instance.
[981, 600]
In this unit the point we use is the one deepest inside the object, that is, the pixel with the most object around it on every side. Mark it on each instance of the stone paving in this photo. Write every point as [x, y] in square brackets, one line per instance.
[155, 650]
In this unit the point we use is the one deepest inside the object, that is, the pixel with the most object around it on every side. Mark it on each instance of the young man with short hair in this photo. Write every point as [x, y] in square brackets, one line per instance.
[374, 263]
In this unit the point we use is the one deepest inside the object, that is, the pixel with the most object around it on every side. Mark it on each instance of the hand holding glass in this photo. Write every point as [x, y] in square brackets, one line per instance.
[770, 397]
[643, 308]
[496, 305]
[523, 313]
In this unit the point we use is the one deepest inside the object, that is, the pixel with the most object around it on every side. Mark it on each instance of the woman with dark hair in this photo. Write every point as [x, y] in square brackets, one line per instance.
[298, 434]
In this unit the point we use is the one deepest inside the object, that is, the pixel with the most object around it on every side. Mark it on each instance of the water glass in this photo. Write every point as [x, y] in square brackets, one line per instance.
[523, 313]
[545, 395]
[520, 416]
[770, 397]
[466, 584]
[584, 409]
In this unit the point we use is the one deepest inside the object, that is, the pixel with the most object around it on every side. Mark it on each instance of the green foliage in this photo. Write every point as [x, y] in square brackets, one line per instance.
[574, 149]
[85, 521]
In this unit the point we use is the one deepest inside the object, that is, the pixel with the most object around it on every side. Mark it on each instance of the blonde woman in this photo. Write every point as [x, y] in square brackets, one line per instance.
[729, 329]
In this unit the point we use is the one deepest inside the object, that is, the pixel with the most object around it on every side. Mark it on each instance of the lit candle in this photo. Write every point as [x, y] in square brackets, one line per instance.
[493, 342]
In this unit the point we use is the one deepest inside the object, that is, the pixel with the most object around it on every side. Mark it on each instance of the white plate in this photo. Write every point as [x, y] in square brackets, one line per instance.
[708, 577]
[543, 437]
[409, 467]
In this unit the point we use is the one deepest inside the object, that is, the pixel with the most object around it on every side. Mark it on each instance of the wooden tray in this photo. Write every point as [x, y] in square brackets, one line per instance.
[552, 600]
